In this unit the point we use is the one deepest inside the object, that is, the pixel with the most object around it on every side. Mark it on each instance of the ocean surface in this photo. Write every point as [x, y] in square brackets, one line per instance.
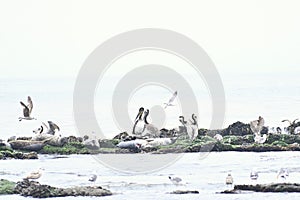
[275, 96]
[207, 175]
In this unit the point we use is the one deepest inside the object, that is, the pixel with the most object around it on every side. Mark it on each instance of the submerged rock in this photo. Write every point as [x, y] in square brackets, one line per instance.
[273, 187]
[185, 192]
[37, 190]
[10, 154]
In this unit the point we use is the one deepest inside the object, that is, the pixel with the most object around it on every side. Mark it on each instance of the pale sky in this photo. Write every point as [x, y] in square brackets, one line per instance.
[54, 37]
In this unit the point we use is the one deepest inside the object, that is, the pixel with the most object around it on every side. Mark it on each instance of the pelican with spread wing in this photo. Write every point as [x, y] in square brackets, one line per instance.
[171, 100]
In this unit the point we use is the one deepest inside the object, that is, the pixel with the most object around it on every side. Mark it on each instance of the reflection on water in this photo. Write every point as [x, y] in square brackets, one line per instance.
[205, 175]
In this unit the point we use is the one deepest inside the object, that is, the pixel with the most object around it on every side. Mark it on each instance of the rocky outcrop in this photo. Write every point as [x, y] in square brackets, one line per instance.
[273, 187]
[185, 192]
[9, 154]
[37, 190]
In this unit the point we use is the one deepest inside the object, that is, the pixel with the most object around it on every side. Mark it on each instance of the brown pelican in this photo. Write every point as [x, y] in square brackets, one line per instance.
[149, 129]
[139, 124]
[182, 129]
[175, 180]
[229, 179]
[192, 128]
[171, 100]
[27, 110]
[257, 125]
[36, 174]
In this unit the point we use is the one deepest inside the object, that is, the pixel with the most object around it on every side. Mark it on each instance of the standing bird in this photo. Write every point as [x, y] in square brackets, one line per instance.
[139, 125]
[36, 174]
[182, 129]
[175, 180]
[229, 179]
[149, 129]
[260, 139]
[93, 178]
[253, 175]
[171, 100]
[27, 110]
[192, 128]
[257, 125]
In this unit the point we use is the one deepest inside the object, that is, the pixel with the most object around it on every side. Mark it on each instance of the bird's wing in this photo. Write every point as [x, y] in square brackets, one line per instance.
[30, 105]
[173, 97]
[286, 120]
[26, 112]
[53, 126]
[295, 121]
[45, 125]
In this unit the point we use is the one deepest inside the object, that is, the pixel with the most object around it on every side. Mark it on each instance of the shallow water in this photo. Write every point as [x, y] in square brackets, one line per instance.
[207, 175]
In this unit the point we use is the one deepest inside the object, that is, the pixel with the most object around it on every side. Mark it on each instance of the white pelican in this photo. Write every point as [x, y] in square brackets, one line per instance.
[171, 100]
[149, 129]
[257, 125]
[139, 124]
[175, 180]
[27, 110]
[229, 179]
[36, 174]
[192, 128]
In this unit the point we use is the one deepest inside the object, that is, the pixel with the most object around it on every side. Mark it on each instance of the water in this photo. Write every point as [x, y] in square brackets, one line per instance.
[205, 175]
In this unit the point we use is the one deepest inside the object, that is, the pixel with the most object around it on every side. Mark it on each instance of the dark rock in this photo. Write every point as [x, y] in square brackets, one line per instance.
[273, 187]
[108, 143]
[185, 192]
[37, 190]
[237, 128]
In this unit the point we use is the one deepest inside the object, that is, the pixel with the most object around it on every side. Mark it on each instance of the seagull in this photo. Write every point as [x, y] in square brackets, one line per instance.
[93, 178]
[139, 125]
[27, 110]
[171, 100]
[283, 174]
[218, 137]
[229, 179]
[192, 128]
[149, 129]
[253, 175]
[260, 139]
[257, 125]
[52, 128]
[297, 130]
[175, 180]
[36, 174]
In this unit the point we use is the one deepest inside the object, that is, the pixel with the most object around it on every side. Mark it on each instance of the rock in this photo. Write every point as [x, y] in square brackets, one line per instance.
[238, 128]
[7, 187]
[10, 154]
[37, 190]
[185, 192]
[108, 143]
[121, 136]
[27, 145]
[273, 187]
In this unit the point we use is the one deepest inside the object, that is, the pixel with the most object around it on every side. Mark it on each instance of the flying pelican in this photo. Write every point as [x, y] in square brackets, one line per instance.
[171, 100]
[139, 125]
[93, 178]
[36, 174]
[192, 128]
[229, 179]
[27, 110]
[257, 125]
[149, 129]
[175, 180]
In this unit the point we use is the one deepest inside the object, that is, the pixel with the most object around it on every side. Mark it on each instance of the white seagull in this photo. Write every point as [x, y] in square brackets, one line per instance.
[93, 178]
[175, 180]
[229, 179]
[36, 174]
[27, 110]
[171, 100]
[254, 175]
[257, 125]
[283, 174]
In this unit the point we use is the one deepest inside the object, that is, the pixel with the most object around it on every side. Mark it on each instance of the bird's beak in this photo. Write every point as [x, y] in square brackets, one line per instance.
[138, 115]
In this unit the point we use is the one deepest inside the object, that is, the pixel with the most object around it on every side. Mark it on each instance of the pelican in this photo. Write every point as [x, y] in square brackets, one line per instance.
[175, 180]
[290, 122]
[93, 178]
[139, 125]
[257, 125]
[27, 110]
[171, 100]
[36, 174]
[192, 128]
[283, 174]
[45, 129]
[182, 129]
[149, 129]
[229, 179]
[253, 175]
